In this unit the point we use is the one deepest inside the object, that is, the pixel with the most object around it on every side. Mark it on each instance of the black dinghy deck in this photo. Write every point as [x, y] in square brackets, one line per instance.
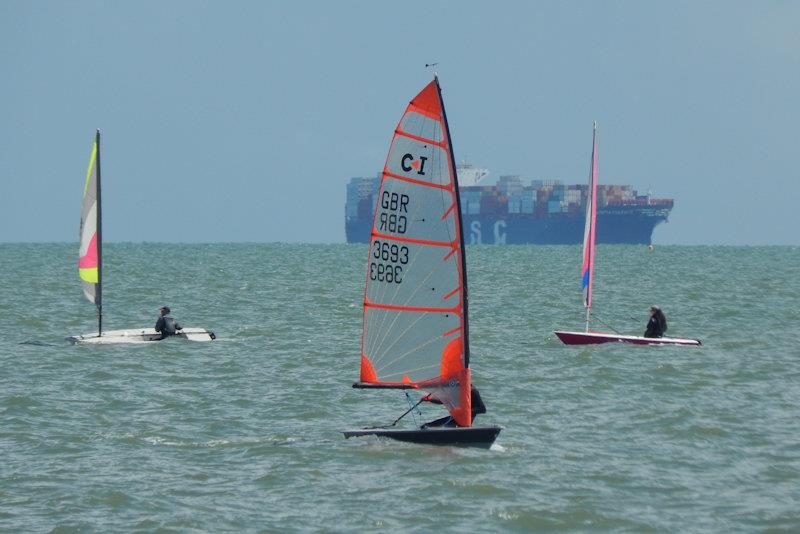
[473, 436]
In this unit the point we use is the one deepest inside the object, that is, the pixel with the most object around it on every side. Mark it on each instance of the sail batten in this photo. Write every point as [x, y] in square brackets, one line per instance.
[410, 308]
[414, 329]
[433, 243]
[403, 133]
[413, 181]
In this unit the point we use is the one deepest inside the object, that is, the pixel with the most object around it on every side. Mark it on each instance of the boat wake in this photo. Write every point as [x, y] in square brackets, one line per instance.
[36, 343]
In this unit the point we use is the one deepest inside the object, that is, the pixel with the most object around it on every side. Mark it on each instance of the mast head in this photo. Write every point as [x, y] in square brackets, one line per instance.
[435, 74]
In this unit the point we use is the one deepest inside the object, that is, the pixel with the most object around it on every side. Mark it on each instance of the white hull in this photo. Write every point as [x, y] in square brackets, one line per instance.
[140, 335]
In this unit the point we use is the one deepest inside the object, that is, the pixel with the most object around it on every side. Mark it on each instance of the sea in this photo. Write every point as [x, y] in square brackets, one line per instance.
[244, 434]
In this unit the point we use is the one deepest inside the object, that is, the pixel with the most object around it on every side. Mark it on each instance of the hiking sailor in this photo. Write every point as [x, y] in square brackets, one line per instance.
[657, 324]
[166, 325]
[478, 407]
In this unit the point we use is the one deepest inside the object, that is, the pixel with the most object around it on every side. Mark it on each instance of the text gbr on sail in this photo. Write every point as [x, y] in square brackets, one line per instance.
[396, 204]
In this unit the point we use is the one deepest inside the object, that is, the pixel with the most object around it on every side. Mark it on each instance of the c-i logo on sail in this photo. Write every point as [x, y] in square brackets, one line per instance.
[408, 163]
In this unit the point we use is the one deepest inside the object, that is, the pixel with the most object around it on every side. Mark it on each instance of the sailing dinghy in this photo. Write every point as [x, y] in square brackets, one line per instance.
[589, 337]
[90, 267]
[415, 322]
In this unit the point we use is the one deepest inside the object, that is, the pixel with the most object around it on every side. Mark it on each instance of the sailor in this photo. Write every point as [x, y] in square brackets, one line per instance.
[657, 324]
[478, 407]
[166, 325]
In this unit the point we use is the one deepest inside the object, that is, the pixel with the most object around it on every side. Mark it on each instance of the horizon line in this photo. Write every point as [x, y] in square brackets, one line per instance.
[655, 245]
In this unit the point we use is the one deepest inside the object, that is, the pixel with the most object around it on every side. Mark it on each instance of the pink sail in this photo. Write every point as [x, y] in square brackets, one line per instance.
[89, 260]
[590, 229]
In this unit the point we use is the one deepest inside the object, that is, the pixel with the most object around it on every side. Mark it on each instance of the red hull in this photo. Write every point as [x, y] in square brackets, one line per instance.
[594, 338]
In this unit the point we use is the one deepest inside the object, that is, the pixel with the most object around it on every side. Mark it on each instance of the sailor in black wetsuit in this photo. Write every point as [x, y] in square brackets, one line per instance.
[166, 325]
[478, 407]
[657, 324]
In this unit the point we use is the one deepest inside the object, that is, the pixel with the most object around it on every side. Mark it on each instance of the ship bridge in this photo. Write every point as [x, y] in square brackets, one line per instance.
[469, 175]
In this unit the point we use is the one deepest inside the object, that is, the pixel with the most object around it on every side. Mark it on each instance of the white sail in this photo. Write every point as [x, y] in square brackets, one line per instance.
[415, 314]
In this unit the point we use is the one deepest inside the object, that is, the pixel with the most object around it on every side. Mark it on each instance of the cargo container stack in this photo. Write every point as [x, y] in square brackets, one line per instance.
[471, 201]
[361, 198]
[516, 210]
[527, 201]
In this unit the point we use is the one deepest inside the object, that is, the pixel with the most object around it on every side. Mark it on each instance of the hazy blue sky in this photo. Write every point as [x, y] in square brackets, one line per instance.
[243, 121]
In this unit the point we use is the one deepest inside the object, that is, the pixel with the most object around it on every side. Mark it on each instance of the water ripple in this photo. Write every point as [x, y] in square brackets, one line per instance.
[244, 434]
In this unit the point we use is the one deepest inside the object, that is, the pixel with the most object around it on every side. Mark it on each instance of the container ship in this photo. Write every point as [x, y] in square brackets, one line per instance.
[540, 212]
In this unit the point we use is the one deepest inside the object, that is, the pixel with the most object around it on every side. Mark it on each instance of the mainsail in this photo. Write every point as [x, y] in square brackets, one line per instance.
[90, 257]
[590, 231]
[415, 326]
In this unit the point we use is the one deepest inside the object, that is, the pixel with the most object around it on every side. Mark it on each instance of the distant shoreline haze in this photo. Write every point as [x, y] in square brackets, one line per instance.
[194, 243]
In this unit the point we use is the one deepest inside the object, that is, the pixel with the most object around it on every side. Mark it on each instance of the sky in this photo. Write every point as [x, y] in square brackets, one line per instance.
[243, 121]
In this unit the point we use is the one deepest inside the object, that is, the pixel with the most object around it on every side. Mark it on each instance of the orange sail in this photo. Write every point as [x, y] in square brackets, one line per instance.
[415, 325]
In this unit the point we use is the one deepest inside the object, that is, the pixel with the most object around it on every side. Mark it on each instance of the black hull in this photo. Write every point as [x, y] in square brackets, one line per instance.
[482, 437]
[622, 225]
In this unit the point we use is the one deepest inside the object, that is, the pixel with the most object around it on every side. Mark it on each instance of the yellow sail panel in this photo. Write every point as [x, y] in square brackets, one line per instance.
[88, 275]
[92, 160]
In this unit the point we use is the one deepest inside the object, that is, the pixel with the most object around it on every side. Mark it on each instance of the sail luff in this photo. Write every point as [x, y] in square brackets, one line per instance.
[99, 289]
[590, 231]
[459, 229]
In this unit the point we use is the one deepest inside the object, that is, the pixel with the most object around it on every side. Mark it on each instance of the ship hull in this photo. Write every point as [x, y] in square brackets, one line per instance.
[614, 226]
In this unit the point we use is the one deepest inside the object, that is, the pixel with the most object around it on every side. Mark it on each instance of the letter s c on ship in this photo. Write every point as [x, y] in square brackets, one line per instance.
[499, 232]
[475, 233]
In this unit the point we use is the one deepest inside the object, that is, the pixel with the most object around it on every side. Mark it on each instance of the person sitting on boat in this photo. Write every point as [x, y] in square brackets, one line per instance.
[478, 407]
[166, 325]
[657, 324]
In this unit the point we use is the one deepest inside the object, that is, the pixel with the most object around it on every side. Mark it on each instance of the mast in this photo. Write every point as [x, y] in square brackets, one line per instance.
[464, 298]
[591, 222]
[99, 294]
[588, 310]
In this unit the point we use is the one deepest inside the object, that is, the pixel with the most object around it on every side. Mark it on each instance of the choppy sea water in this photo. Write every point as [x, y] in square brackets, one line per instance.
[243, 434]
